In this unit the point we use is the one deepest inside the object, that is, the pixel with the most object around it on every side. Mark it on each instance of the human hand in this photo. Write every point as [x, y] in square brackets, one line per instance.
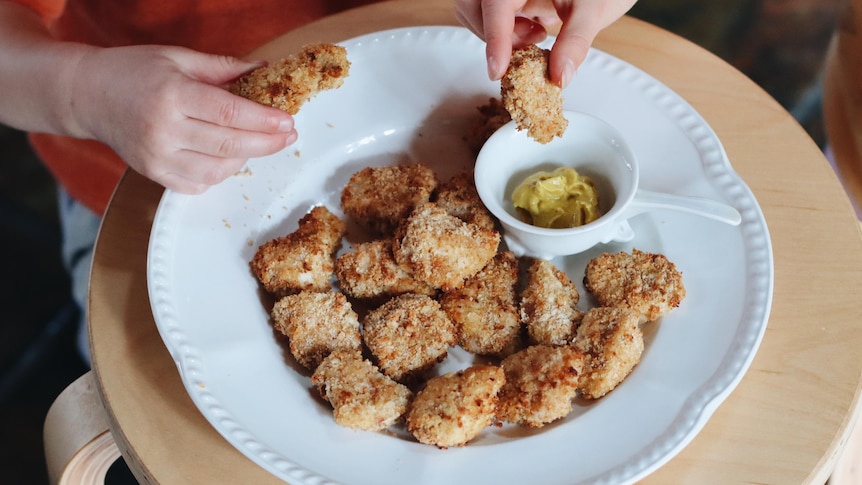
[165, 112]
[504, 24]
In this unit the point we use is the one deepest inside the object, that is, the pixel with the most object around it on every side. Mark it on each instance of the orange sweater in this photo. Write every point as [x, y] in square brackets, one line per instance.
[90, 170]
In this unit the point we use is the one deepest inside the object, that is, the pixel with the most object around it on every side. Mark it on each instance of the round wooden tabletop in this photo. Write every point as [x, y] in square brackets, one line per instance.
[786, 421]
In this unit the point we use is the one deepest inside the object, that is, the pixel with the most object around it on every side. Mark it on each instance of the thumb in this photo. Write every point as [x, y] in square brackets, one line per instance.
[217, 69]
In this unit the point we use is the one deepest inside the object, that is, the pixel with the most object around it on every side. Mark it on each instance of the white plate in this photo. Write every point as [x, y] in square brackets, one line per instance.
[411, 95]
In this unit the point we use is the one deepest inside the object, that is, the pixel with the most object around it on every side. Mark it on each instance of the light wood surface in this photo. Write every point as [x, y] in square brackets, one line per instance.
[785, 423]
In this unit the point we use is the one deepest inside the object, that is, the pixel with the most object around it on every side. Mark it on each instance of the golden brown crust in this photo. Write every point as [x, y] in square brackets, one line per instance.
[442, 250]
[362, 397]
[303, 259]
[408, 335]
[287, 84]
[646, 283]
[492, 116]
[316, 324]
[549, 304]
[459, 198]
[379, 198]
[613, 343]
[454, 408]
[485, 309]
[370, 271]
[535, 103]
[541, 382]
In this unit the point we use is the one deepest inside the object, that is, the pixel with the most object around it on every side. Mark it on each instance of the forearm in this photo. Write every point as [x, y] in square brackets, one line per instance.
[36, 73]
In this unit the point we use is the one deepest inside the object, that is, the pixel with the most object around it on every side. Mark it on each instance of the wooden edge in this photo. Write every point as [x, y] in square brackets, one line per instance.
[79, 447]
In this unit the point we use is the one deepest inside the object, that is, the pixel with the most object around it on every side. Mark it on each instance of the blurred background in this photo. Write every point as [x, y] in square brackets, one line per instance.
[779, 44]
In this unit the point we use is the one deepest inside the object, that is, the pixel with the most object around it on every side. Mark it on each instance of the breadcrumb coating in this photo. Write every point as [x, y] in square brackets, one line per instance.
[646, 283]
[541, 382]
[613, 343]
[492, 116]
[370, 271]
[362, 397]
[408, 335]
[303, 259]
[454, 408]
[459, 198]
[441, 249]
[316, 324]
[485, 309]
[379, 198]
[287, 84]
[533, 101]
[549, 304]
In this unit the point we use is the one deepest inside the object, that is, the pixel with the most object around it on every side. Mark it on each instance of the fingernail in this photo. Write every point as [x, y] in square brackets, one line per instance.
[493, 69]
[568, 73]
[285, 125]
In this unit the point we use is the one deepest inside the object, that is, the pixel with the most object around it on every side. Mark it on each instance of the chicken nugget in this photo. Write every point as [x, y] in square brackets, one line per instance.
[379, 198]
[290, 82]
[408, 334]
[316, 324]
[646, 283]
[541, 382]
[549, 304]
[302, 260]
[485, 310]
[362, 397]
[535, 103]
[442, 250]
[454, 408]
[459, 198]
[613, 343]
[492, 116]
[370, 271]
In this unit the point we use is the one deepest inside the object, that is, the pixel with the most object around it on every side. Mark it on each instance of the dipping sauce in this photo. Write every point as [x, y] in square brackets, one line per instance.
[559, 199]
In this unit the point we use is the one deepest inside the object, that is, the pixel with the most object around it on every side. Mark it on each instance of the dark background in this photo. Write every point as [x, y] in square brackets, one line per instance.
[780, 44]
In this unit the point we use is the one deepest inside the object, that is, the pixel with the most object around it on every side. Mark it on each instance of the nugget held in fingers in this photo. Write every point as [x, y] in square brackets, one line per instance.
[287, 84]
[549, 304]
[485, 309]
[303, 259]
[535, 103]
[316, 324]
[361, 396]
[541, 382]
[408, 335]
[454, 408]
[379, 198]
[441, 249]
[613, 343]
[646, 283]
[370, 271]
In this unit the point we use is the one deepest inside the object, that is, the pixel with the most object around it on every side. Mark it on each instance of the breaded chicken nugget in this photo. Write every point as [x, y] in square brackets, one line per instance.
[316, 324]
[613, 343]
[454, 408]
[302, 260]
[442, 250]
[408, 335]
[485, 310]
[535, 103]
[541, 382]
[492, 116]
[647, 283]
[292, 81]
[459, 198]
[370, 271]
[379, 198]
[549, 304]
[361, 396]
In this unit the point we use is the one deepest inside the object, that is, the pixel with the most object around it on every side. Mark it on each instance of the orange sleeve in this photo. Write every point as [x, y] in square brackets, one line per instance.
[49, 10]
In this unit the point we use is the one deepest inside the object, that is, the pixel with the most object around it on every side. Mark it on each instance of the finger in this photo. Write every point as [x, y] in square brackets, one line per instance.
[223, 142]
[527, 32]
[469, 14]
[220, 107]
[580, 26]
[213, 69]
[190, 172]
[498, 19]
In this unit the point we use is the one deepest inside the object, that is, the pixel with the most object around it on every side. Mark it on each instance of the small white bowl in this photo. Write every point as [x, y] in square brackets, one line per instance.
[593, 148]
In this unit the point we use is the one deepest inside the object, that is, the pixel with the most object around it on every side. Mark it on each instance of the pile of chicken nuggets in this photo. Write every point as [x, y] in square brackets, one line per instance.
[433, 276]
